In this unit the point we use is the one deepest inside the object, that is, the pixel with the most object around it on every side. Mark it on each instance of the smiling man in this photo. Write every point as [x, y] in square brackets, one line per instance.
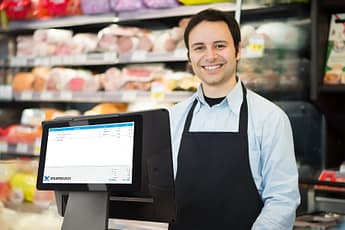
[233, 150]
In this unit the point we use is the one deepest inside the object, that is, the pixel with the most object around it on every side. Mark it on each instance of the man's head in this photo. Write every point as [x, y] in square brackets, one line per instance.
[213, 42]
[212, 16]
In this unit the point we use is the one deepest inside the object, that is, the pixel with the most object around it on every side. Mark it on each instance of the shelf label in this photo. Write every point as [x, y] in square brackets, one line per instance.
[22, 148]
[129, 96]
[68, 60]
[255, 48]
[30, 62]
[46, 95]
[110, 57]
[157, 91]
[180, 53]
[3, 147]
[66, 95]
[6, 92]
[55, 60]
[26, 95]
[80, 58]
[139, 55]
[37, 147]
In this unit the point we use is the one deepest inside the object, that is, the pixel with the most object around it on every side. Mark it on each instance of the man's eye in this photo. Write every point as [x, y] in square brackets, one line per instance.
[220, 46]
[198, 48]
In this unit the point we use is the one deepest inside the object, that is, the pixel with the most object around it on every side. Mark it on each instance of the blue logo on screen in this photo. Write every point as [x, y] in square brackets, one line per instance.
[46, 178]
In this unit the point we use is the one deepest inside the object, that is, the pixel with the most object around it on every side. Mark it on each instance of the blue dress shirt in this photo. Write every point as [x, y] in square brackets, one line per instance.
[270, 143]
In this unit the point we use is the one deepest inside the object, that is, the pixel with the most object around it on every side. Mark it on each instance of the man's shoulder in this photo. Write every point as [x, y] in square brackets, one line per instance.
[263, 108]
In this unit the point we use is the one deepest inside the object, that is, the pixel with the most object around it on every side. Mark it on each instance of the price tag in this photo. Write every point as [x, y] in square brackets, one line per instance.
[6, 92]
[66, 95]
[26, 95]
[55, 60]
[47, 95]
[80, 59]
[22, 148]
[157, 91]
[180, 53]
[68, 60]
[139, 55]
[110, 57]
[30, 61]
[14, 61]
[37, 147]
[3, 147]
[256, 46]
[129, 96]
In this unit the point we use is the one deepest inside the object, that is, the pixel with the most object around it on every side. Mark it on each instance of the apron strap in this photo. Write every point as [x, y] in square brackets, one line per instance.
[189, 117]
[243, 123]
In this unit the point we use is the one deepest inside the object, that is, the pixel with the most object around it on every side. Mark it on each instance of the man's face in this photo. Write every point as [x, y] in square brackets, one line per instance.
[212, 53]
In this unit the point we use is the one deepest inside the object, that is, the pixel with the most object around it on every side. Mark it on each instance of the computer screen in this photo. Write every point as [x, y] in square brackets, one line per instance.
[112, 143]
[91, 153]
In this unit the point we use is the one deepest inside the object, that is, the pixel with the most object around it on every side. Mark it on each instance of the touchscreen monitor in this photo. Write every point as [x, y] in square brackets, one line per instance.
[99, 153]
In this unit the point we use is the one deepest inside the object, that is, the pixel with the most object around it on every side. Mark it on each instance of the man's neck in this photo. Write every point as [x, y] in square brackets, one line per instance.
[218, 91]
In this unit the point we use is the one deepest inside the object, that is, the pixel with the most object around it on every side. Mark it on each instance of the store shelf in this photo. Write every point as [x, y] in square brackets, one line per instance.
[151, 14]
[180, 11]
[334, 5]
[108, 58]
[22, 149]
[332, 88]
[119, 96]
[61, 22]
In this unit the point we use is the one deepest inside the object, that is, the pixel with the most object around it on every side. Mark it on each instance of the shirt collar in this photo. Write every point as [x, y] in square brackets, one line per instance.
[234, 98]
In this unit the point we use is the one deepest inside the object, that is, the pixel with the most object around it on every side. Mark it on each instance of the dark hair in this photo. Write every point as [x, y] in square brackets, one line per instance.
[213, 16]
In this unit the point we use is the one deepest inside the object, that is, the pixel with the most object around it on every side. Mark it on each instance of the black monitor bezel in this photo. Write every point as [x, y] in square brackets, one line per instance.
[93, 120]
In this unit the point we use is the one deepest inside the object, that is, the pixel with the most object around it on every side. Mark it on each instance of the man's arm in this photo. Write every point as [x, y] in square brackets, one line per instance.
[279, 172]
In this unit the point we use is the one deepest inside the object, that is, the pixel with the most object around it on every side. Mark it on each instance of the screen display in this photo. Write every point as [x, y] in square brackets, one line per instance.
[100, 154]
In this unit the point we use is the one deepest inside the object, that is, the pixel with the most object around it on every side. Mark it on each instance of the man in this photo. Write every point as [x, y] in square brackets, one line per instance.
[233, 150]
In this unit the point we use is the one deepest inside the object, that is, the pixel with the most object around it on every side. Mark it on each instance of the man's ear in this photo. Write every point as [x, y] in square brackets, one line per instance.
[239, 51]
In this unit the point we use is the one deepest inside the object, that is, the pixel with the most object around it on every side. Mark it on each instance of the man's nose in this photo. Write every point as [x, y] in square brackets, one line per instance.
[211, 53]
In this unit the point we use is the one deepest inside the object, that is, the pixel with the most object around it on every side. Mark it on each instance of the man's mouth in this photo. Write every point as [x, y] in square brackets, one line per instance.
[212, 67]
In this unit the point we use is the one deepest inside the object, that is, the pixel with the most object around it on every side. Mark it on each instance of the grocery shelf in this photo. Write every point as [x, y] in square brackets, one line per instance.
[180, 11]
[100, 96]
[107, 58]
[6, 93]
[150, 14]
[332, 88]
[61, 22]
[22, 149]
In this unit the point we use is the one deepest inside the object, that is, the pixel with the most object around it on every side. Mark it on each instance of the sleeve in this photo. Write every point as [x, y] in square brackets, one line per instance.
[280, 192]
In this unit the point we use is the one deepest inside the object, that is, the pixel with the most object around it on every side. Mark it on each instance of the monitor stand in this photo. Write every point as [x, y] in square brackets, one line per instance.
[87, 211]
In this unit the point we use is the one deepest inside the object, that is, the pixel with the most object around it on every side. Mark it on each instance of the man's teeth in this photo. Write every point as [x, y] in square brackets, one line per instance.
[212, 67]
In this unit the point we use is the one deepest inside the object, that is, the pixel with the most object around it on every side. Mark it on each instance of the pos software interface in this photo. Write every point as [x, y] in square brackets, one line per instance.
[125, 156]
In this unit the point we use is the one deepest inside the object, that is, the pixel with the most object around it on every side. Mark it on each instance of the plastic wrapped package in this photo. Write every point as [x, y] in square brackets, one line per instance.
[95, 7]
[125, 5]
[17, 9]
[156, 4]
[196, 2]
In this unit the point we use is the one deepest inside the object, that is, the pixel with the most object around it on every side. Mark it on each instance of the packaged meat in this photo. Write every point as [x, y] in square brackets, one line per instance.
[84, 43]
[112, 79]
[25, 46]
[17, 9]
[52, 35]
[23, 81]
[197, 2]
[125, 5]
[95, 7]
[156, 4]
[41, 77]
[106, 108]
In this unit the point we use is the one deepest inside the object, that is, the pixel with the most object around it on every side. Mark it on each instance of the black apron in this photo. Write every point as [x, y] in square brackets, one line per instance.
[214, 184]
